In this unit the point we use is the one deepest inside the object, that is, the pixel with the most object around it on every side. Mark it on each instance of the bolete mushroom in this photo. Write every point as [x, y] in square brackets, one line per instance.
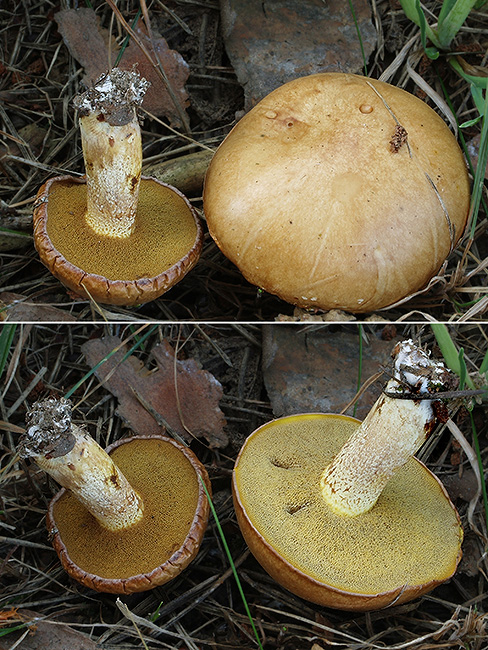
[338, 192]
[127, 519]
[115, 236]
[339, 512]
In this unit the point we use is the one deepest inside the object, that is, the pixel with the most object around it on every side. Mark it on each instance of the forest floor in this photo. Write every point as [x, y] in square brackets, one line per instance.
[247, 374]
[39, 77]
[245, 371]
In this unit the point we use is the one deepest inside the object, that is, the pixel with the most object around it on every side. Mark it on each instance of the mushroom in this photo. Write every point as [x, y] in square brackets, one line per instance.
[115, 237]
[340, 512]
[338, 192]
[127, 519]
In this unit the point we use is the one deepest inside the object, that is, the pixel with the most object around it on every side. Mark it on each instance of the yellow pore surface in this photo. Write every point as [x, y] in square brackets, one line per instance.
[168, 485]
[410, 537]
[164, 233]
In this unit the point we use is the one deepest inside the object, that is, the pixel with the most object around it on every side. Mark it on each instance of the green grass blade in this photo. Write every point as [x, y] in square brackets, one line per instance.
[358, 31]
[453, 358]
[232, 565]
[127, 38]
[463, 371]
[479, 177]
[469, 123]
[415, 13]
[481, 82]
[6, 337]
[484, 365]
[136, 345]
[8, 630]
[426, 32]
[462, 139]
[453, 21]
[478, 99]
[18, 233]
[447, 5]
[455, 361]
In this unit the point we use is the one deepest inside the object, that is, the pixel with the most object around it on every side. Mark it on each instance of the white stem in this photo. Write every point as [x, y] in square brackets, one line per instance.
[113, 163]
[391, 433]
[78, 463]
[112, 149]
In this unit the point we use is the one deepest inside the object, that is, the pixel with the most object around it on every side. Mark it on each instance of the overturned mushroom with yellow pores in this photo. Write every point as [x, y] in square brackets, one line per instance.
[129, 518]
[116, 237]
[339, 511]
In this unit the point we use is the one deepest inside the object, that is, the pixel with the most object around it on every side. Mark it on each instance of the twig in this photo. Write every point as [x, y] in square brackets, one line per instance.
[24, 542]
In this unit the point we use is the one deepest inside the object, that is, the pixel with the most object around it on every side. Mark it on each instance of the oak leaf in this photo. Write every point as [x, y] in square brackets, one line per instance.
[178, 396]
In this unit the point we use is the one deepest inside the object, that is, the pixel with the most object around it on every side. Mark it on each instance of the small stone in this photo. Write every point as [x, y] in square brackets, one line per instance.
[270, 43]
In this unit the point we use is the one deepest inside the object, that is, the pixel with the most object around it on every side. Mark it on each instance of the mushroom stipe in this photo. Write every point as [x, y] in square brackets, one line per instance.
[128, 518]
[114, 236]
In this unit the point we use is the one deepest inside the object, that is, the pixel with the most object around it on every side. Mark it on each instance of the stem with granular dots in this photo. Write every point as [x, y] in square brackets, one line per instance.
[78, 463]
[390, 434]
[112, 149]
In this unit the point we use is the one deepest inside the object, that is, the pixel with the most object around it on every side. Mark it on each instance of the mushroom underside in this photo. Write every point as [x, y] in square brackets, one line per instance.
[407, 544]
[164, 246]
[168, 478]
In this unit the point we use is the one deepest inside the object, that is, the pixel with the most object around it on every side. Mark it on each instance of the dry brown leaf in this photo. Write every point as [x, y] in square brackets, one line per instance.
[15, 307]
[89, 44]
[86, 41]
[157, 99]
[179, 393]
[40, 634]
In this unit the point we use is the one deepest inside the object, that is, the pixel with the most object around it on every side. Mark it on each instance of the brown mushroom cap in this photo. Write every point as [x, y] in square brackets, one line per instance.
[168, 477]
[407, 544]
[164, 246]
[338, 192]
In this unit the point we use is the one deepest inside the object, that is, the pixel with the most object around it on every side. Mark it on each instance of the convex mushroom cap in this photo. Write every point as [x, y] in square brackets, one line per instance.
[116, 237]
[340, 513]
[127, 519]
[337, 191]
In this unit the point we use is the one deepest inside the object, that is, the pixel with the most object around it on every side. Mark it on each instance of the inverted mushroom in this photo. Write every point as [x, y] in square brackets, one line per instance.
[127, 519]
[117, 237]
[340, 512]
[338, 192]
